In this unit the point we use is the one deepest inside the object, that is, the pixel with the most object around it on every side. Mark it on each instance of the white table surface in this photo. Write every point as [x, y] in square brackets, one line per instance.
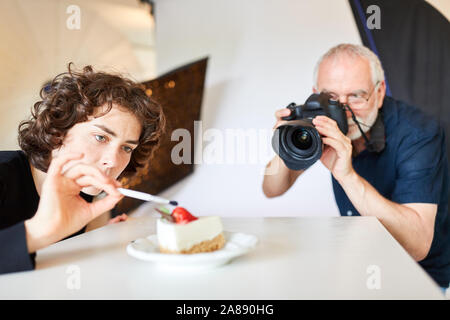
[296, 258]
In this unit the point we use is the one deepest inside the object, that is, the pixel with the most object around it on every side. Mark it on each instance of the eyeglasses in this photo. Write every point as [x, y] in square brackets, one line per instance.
[355, 101]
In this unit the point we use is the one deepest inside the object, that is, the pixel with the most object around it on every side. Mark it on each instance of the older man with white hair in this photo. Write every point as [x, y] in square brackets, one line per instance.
[393, 165]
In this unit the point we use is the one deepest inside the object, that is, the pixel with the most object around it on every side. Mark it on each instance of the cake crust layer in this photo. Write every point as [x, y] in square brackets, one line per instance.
[205, 246]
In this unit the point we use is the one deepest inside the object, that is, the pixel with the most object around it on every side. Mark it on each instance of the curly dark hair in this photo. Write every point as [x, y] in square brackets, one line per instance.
[71, 97]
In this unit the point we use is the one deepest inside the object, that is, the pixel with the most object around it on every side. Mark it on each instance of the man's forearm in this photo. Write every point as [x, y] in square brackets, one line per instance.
[278, 178]
[404, 223]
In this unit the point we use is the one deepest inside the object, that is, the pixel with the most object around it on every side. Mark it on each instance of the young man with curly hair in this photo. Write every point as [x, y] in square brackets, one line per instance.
[89, 130]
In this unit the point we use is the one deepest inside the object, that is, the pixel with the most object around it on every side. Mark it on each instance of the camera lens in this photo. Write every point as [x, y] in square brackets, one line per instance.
[298, 143]
[301, 138]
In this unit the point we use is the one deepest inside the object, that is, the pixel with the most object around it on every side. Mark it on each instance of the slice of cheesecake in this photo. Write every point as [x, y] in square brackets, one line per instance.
[204, 234]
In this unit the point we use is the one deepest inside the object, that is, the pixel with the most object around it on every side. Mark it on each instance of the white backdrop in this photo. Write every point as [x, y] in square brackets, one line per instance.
[37, 44]
[262, 55]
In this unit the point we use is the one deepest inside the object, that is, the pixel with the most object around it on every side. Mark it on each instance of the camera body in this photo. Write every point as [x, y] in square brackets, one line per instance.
[297, 142]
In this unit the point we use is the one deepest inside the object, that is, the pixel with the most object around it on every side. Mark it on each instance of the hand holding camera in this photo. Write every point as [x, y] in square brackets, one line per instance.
[337, 152]
[308, 131]
[279, 114]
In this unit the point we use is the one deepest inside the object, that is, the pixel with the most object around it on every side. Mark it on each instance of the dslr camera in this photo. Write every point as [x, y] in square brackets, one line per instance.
[298, 143]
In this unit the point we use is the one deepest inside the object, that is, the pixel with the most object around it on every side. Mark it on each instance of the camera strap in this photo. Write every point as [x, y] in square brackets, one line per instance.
[369, 145]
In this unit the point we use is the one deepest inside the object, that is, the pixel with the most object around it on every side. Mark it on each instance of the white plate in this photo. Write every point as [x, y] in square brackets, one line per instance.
[236, 244]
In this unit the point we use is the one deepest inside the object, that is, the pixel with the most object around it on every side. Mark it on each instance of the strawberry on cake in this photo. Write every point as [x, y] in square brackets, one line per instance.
[180, 232]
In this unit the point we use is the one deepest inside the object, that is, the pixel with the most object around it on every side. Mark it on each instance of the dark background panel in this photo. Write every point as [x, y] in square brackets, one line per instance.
[180, 92]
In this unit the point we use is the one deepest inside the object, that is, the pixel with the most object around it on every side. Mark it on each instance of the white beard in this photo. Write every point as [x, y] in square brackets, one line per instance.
[353, 131]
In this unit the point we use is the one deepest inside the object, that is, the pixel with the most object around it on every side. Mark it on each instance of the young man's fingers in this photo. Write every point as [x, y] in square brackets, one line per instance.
[58, 163]
[81, 169]
[103, 205]
[92, 181]
[114, 220]
[122, 217]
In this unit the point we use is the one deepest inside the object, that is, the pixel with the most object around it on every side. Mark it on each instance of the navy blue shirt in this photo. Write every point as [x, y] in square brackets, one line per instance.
[408, 164]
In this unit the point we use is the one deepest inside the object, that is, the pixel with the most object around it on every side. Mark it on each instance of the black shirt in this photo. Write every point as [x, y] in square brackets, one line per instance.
[19, 201]
[408, 164]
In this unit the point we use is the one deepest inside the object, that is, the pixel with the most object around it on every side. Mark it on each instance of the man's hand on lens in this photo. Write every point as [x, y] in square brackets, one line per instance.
[337, 153]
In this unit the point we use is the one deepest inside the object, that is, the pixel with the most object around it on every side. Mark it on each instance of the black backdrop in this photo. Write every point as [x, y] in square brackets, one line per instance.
[413, 44]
